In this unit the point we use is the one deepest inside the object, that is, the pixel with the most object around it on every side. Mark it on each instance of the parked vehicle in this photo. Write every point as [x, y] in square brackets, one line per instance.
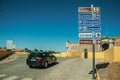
[41, 59]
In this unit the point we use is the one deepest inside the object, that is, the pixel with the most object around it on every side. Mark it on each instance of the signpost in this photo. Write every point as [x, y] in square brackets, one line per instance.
[86, 28]
[89, 9]
[85, 35]
[88, 41]
[89, 28]
[89, 16]
[89, 20]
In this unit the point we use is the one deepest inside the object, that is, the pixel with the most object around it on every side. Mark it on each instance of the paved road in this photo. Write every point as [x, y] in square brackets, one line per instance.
[66, 69]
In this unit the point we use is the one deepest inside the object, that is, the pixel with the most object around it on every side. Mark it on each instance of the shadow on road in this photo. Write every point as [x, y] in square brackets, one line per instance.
[50, 65]
[101, 65]
[5, 56]
[91, 72]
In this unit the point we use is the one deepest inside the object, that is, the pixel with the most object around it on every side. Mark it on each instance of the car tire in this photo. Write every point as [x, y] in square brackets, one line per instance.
[55, 61]
[30, 66]
[45, 64]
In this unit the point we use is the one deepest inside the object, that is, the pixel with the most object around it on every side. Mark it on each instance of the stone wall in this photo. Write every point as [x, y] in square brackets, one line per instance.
[77, 47]
[117, 41]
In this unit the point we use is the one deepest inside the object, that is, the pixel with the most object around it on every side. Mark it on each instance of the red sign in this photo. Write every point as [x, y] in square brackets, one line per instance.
[85, 9]
[88, 41]
[88, 9]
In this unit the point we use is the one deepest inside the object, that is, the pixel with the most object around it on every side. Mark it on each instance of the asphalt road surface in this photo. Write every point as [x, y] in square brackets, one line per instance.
[66, 69]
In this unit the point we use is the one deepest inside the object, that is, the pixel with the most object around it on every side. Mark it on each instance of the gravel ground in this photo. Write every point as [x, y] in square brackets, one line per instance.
[110, 71]
[67, 68]
[70, 69]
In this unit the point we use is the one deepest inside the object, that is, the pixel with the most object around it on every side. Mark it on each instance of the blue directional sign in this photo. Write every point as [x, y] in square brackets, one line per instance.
[89, 16]
[93, 27]
[89, 28]
[85, 16]
[89, 22]
[96, 16]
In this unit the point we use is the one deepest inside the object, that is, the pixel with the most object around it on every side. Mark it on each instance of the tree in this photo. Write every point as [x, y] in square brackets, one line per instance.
[4, 48]
[41, 50]
[26, 49]
[36, 50]
[50, 51]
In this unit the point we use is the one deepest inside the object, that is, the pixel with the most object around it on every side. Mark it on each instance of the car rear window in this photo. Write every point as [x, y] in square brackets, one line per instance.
[32, 55]
[37, 54]
[41, 54]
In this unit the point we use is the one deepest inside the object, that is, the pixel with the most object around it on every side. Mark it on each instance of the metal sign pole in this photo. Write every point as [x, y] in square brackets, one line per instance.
[93, 49]
[89, 24]
[93, 61]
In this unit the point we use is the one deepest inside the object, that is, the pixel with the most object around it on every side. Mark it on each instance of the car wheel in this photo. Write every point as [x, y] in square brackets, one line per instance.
[30, 66]
[55, 61]
[46, 64]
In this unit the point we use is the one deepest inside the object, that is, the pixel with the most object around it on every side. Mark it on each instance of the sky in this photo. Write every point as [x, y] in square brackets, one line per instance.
[47, 24]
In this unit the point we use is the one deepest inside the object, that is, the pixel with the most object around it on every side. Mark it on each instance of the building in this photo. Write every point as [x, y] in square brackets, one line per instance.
[103, 44]
[18, 50]
[10, 44]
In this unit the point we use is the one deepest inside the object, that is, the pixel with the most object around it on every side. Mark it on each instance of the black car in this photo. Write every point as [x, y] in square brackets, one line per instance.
[41, 59]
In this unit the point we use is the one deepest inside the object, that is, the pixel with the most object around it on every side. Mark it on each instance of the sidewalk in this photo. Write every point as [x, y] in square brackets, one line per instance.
[8, 59]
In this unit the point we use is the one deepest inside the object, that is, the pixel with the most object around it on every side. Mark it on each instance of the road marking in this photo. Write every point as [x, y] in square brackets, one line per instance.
[27, 79]
[11, 78]
[2, 75]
